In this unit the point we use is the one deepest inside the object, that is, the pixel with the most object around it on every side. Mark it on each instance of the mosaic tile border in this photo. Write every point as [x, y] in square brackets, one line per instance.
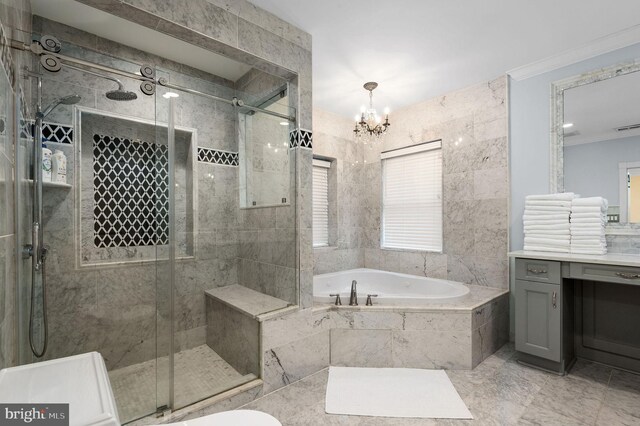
[301, 138]
[58, 133]
[51, 132]
[217, 156]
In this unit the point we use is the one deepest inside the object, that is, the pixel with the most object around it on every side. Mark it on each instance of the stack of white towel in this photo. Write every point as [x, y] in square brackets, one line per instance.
[588, 220]
[546, 222]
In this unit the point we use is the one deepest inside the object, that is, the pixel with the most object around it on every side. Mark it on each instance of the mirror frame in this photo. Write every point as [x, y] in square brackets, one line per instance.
[556, 148]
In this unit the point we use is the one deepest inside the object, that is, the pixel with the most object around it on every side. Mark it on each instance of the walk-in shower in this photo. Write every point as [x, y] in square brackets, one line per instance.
[150, 221]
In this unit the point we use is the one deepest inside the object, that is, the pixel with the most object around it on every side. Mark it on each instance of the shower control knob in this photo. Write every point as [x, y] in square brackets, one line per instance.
[50, 44]
[148, 88]
[147, 71]
[50, 63]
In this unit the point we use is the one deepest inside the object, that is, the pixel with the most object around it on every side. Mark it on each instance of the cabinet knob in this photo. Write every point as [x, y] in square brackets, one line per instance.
[554, 300]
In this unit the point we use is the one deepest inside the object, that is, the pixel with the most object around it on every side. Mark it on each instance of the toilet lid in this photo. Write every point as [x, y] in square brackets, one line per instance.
[232, 418]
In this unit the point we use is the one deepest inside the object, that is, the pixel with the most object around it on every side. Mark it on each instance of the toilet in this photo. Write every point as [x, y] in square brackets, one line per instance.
[231, 418]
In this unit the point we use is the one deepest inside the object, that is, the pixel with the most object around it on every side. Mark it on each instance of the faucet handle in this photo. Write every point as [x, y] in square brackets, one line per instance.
[338, 300]
[369, 301]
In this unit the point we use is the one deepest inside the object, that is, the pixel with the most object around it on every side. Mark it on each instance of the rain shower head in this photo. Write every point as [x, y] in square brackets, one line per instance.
[121, 95]
[66, 100]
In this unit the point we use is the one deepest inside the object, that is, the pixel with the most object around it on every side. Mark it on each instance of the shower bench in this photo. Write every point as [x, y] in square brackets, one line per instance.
[234, 314]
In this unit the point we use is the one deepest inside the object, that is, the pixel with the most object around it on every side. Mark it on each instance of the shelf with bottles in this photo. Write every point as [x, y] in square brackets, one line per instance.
[53, 184]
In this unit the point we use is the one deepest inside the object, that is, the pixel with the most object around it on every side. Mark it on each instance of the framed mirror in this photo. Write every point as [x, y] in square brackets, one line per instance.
[595, 140]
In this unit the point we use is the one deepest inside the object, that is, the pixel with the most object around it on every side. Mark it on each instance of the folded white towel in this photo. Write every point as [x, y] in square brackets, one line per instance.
[542, 225]
[581, 233]
[556, 209]
[600, 238]
[588, 209]
[543, 248]
[546, 242]
[588, 215]
[552, 203]
[579, 225]
[558, 196]
[598, 247]
[591, 201]
[596, 252]
[588, 220]
[559, 236]
[545, 215]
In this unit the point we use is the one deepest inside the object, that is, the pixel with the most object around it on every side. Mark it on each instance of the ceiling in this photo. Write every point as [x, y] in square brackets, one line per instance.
[111, 27]
[596, 110]
[419, 49]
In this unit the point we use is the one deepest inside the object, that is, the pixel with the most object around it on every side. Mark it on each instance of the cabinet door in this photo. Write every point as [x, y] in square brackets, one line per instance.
[538, 319]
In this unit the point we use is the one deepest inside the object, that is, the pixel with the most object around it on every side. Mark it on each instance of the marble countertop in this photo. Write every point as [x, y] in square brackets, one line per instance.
[245, 300]
[477, 297]
[616, 259]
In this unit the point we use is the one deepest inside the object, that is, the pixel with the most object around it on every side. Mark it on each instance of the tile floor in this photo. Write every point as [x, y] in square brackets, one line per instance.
[199, 373]
[498, 392]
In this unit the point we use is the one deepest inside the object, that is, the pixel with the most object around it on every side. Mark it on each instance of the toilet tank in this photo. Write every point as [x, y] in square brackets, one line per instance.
[80, 380]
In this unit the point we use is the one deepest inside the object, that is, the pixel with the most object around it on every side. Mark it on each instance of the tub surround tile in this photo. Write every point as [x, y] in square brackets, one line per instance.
[289, 363]
[432, 349]
[361, 348]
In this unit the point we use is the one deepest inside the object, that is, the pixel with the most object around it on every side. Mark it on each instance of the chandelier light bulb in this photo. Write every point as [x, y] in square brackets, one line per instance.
[363, 109]
[387, 111]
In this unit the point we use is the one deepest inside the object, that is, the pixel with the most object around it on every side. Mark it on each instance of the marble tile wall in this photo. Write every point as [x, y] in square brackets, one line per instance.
[15, 20]
[333, 139]
[472, 124]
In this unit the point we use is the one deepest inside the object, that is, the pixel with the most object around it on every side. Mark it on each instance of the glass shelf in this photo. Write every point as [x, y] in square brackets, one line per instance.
[53, 184]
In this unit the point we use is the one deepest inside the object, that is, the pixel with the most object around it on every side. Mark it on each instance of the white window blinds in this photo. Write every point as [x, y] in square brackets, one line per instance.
[412, 197]
[320, 202]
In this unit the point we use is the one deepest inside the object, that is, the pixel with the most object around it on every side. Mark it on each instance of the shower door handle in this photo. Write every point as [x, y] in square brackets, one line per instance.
[36, 245]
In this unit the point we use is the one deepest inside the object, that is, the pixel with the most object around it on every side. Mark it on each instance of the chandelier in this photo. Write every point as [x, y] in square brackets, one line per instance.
[369, 125]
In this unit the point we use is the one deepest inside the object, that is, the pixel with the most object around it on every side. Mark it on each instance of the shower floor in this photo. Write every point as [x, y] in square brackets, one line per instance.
[199, 373]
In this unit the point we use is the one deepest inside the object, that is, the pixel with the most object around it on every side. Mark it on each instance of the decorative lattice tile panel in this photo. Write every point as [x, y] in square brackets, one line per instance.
[301, 138]
[216, 156]
[26, 128]
[131, 192]
[59, 133]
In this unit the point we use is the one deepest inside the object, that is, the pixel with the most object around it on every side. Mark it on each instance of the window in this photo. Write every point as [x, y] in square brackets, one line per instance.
[412, 197]
[321, 202]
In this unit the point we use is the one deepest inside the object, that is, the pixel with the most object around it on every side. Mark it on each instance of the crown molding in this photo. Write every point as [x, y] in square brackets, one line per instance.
[602, 45]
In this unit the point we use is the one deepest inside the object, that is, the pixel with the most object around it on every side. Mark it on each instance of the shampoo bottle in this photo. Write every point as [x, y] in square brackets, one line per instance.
[59, 167]
[46, 163]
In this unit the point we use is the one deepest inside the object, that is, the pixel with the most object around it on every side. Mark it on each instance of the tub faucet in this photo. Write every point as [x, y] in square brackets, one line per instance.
[353, 300]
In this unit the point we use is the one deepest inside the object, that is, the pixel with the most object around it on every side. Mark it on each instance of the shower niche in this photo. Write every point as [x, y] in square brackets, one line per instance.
[124, 190]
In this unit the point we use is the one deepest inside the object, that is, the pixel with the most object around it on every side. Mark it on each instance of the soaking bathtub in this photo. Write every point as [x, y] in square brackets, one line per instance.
[392, 288]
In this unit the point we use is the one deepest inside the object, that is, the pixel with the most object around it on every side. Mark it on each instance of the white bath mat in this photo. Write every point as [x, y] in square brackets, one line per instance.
[393, 392]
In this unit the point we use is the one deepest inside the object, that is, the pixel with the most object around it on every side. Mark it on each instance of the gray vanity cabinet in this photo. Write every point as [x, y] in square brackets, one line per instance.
[543, 315]
[538, 319]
